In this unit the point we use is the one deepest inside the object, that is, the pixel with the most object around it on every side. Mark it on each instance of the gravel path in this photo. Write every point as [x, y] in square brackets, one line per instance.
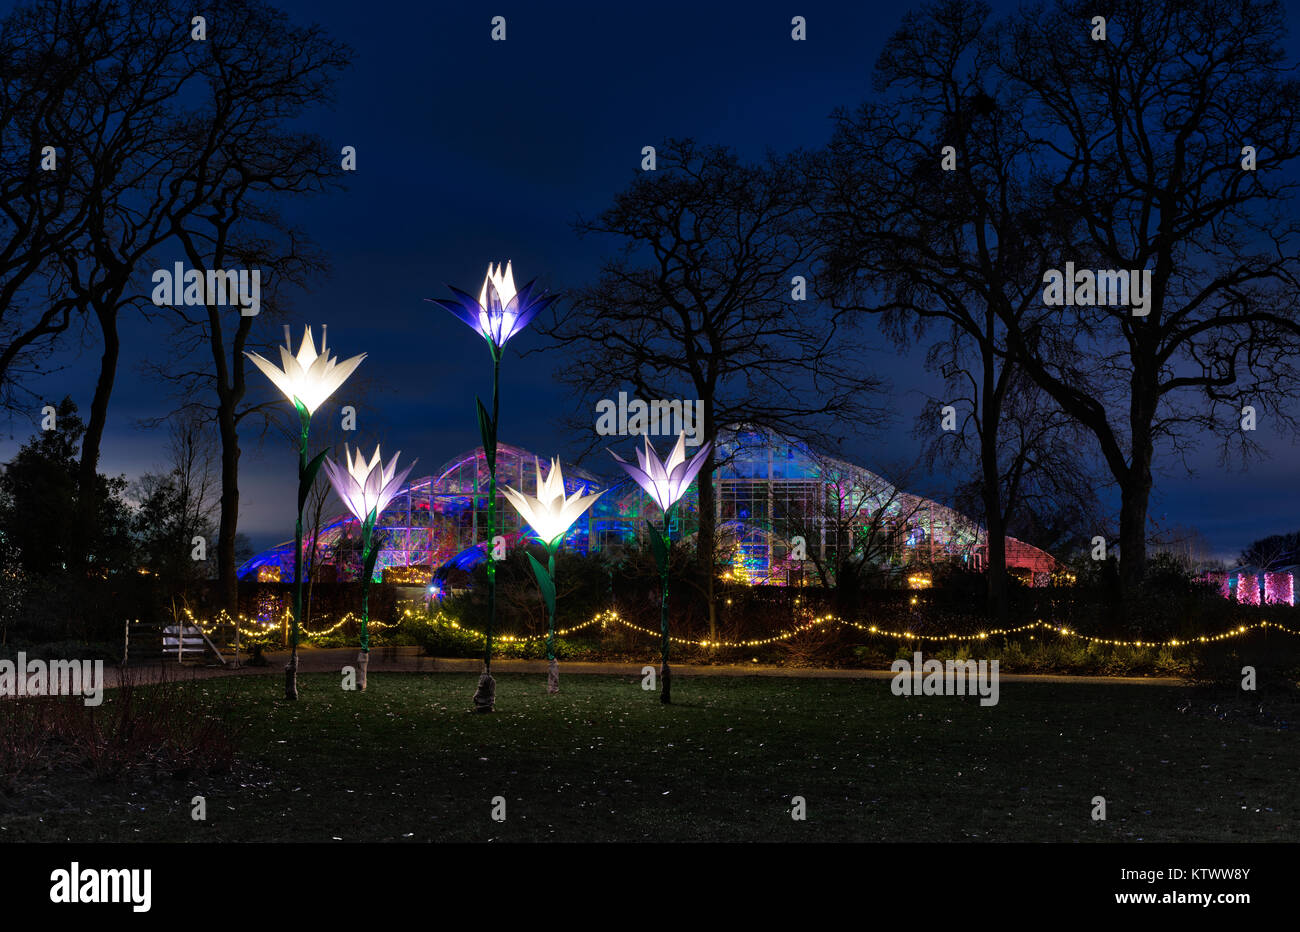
[410, 660]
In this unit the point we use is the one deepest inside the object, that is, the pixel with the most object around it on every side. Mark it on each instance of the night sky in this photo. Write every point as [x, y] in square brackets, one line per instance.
[472, 151]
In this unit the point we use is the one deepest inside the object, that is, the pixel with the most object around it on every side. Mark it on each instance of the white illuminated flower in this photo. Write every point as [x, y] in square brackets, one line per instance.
[497, 317]
[309, 377]
[550, 513]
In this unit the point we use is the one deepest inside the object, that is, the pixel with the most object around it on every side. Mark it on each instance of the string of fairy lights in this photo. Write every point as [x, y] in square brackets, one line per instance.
[257, 628]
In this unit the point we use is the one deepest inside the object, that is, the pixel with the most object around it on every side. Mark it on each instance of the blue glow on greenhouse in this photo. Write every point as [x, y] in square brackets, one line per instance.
[769, 491]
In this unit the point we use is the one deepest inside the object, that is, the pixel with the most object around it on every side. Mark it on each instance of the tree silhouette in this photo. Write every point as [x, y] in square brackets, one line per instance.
[1144, 136]
[697, 304]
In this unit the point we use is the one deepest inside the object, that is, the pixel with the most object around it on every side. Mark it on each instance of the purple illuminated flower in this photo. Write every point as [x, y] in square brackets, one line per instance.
[366, 488]
[665, 481]
[500, 310]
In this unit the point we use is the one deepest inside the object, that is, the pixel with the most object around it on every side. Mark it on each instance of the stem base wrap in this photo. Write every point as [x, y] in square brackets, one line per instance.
[291, 678]
[485, 697]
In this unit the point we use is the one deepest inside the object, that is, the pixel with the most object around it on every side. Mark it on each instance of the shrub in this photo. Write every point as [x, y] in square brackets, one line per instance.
[441, 640]
[149, 729]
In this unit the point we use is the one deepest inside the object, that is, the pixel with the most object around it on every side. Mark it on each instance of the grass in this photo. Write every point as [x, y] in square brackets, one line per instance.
[604, 760]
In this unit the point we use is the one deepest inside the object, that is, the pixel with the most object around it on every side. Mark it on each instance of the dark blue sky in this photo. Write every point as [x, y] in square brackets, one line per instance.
[472, 151]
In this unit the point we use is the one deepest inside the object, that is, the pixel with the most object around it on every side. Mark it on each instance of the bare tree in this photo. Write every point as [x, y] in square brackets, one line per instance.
[1123, 154]
[1186, 546]
[165, 136]
[927, 225]
[177, 505]
[262, 73]
[857, 521]
[698, 302]
[1273, 550]
[1145, 134]
[52, 59]
[1043, 471]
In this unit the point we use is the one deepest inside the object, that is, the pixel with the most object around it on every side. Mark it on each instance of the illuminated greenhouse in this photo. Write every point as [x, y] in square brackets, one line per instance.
[782, 513]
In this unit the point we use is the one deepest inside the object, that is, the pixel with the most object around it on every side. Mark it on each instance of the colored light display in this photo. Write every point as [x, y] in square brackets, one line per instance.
[1279, 588]
[434, 522]
[306, 380]
[607, 619]
[1248, 589]
[763, 485]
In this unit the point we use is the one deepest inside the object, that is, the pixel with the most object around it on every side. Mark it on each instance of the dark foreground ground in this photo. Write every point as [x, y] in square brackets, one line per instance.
[604, 761]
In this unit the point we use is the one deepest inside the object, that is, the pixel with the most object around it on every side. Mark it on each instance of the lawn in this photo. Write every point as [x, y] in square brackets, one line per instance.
[605, 761]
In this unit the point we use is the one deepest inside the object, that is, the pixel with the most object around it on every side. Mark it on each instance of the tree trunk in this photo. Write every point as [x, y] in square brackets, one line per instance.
[991, 489]
[1135, 497]
[88, 471]
[996, 571]
[707, 538]
[1135, 486]
[228, 582]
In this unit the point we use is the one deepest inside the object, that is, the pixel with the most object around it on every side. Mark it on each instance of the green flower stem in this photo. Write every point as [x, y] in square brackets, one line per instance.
[304, 417]
[550, 632]
[663, 608]
[492, 512]
[291, 668]
[367, 570]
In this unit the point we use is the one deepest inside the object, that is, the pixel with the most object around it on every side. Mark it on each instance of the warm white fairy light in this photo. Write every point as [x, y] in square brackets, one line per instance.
[612, 617]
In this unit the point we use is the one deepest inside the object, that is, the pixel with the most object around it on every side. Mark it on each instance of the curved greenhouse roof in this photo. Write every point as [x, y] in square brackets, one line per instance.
[430, 522]
[775, 500]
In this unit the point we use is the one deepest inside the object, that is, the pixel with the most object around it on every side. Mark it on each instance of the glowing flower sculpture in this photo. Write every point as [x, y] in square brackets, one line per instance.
[366, 488]
[499, 312]
[550, 514]
[307, 380]
[664, 481]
